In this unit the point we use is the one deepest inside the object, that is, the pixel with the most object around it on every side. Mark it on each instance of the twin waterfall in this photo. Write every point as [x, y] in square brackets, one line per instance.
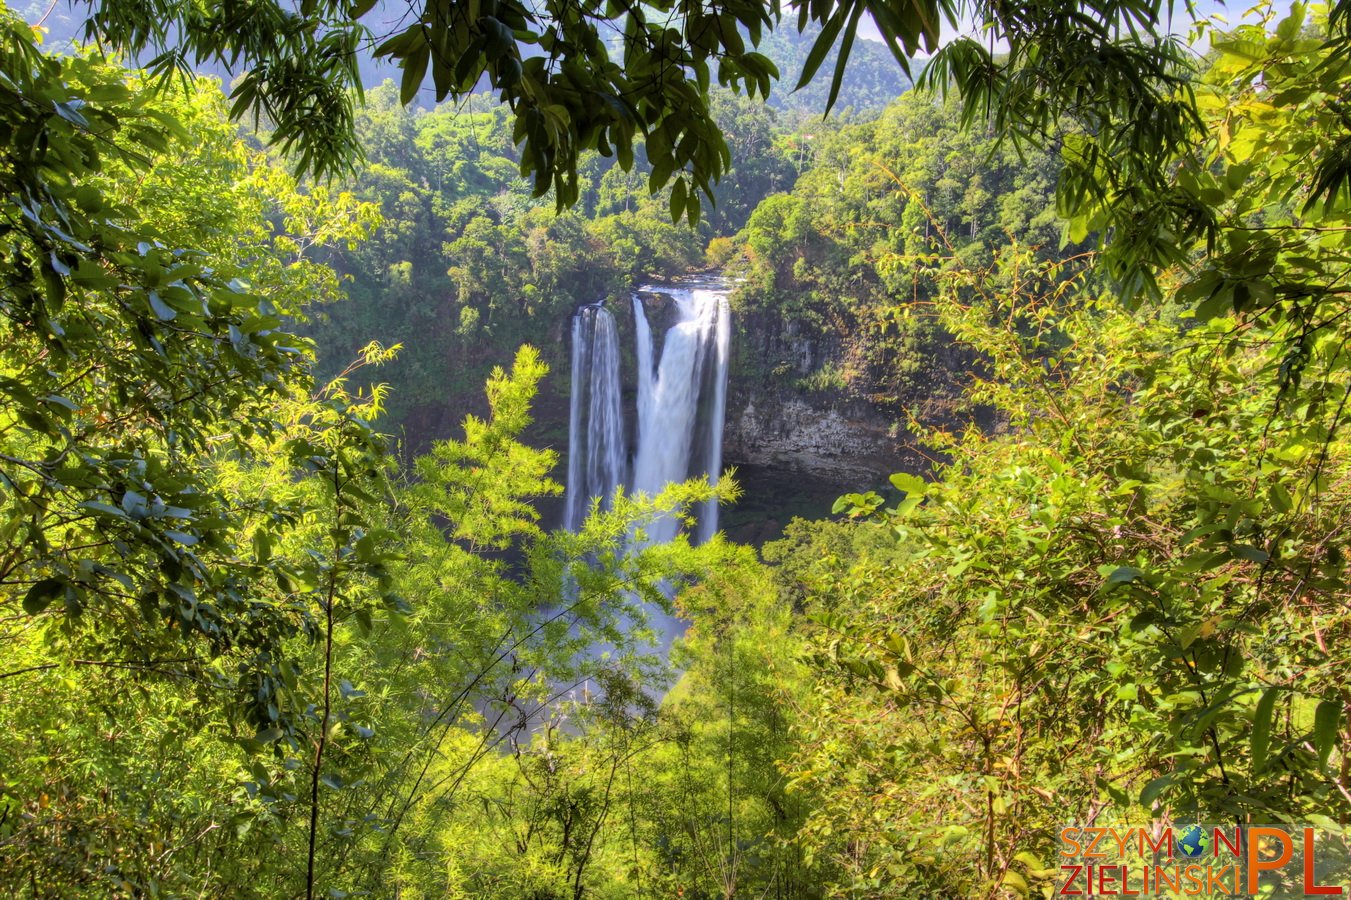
[597, 450]
[681, 403]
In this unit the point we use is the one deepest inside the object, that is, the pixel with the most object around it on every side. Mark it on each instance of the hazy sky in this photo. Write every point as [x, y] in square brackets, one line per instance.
[1232, 13]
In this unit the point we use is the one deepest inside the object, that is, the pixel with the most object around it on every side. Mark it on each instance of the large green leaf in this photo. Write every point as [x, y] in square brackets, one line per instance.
[1261, 727]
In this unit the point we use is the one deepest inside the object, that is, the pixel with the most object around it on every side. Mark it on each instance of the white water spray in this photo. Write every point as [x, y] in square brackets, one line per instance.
[598, 454]
[722, 345]
[681, 383]
[681, 404]
[669, 408]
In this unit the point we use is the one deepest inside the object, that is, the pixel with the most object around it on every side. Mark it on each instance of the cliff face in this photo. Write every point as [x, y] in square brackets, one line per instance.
[829, 438]
[791, 405]
[806, 424]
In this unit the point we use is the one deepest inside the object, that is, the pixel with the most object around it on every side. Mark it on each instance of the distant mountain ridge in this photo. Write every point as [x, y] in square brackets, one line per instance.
[872, 78]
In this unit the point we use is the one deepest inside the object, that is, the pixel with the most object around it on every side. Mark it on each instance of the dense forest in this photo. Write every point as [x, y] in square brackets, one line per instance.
[285, 610]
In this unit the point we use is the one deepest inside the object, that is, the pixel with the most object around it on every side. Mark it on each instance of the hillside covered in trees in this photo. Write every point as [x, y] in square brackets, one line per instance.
[284, 610]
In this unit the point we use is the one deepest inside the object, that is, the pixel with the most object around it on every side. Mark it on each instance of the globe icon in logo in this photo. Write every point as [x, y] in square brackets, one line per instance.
[1193, 841]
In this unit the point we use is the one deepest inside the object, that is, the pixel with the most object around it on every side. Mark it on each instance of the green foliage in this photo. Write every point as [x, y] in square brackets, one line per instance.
[871, 81]
[131, 333]
[612, 796]
[1276, 250]
[223, 607]
[350, 743]
[1130, 603]
[1127, 604]
[144, 346]
[578, 93]
[880, 204]
[1109, 83]
[1228, 177]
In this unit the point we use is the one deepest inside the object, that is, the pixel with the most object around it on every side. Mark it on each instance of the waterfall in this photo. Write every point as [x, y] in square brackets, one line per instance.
[681, 403]
[668, 410]
[682, 337]
[597, 455]
[722, 345]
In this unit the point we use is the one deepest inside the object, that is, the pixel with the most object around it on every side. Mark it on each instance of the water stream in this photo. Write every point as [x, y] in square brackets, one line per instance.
[681, 382]
[597, 450]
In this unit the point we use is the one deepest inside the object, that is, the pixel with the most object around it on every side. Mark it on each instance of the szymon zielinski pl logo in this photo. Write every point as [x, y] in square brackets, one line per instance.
[1203, 861]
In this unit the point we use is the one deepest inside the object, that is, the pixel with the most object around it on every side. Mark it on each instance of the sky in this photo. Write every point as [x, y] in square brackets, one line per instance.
[1224, 15]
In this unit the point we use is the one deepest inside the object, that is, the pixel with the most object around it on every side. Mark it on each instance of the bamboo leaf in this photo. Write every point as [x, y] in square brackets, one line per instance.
[1261, 727]
[1326, 719]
